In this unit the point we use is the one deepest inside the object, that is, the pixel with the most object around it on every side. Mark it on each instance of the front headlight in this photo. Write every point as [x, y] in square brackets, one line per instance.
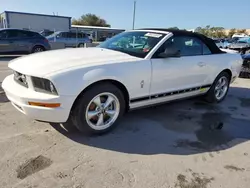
[43, 85]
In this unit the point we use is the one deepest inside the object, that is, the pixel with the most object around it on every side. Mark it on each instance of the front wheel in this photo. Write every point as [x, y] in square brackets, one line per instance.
[219, 89]
[99, 109]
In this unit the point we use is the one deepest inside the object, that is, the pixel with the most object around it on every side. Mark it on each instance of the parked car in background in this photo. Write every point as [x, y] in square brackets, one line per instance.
[219, 43]
[245, 71]
[242, 45]
[227, 42]
[70, 39]
[46, 32]
[237, 36]
[92, 88]
[20, 41]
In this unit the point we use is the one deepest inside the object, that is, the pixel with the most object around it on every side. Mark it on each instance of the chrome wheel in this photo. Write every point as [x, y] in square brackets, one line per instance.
[221, 88]
[102, 111]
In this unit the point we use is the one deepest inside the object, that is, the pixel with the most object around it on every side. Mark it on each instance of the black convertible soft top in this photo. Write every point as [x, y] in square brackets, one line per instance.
[209, 42]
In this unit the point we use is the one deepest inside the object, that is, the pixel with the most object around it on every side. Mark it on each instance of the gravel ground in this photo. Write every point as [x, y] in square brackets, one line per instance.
[174, 145]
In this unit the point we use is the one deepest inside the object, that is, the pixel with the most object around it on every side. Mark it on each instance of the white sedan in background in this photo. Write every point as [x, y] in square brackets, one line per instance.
[91, 88]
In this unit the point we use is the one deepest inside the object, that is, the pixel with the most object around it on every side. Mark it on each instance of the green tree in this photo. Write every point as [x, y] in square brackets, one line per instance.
[90, 20]
[216, 32]
[242, 31]
[174, 28]
[232, 32]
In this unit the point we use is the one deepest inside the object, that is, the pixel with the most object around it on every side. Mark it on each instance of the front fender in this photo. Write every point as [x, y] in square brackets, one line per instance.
[74, 82]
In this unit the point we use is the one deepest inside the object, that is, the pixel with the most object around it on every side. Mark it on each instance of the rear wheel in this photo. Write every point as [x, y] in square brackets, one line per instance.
[219, 89]
[81, 45]
[38, 49]
[99, 109]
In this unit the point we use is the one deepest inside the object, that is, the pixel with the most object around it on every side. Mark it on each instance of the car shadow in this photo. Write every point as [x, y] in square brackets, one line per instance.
[178, 128]
[3, 97]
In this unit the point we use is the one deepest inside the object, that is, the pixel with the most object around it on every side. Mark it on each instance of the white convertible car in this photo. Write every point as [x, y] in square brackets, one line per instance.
[92, 88]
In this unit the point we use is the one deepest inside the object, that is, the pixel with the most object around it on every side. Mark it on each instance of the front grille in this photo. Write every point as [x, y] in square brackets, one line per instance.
[20, 79]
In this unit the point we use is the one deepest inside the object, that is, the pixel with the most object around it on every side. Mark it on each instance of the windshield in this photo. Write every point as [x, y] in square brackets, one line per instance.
[135, 43]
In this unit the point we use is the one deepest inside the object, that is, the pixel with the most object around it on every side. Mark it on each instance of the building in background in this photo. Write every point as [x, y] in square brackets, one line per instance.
[34, 22]
[48, 24]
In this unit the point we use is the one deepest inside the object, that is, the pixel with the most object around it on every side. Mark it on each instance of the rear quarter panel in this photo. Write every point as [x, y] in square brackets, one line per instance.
[40, 41]
[219, 62]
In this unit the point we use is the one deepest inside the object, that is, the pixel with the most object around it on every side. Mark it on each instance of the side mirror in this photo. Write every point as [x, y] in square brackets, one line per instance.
[170, 53]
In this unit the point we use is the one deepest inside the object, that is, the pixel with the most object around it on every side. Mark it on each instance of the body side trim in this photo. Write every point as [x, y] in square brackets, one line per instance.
[162, 95]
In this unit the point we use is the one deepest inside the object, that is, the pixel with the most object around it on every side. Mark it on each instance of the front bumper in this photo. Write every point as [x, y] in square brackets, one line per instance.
[21, 96]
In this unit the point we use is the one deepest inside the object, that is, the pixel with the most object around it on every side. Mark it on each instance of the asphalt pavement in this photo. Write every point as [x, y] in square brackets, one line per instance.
[175, 145]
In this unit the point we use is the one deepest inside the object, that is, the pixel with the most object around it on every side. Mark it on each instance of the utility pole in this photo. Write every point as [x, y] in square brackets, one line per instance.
[134, 14]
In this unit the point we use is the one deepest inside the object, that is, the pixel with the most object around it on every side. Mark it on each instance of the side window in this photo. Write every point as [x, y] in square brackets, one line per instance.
[24, 34]
[188, 46]
[206, 50]
[64, 35]
[84, 35]
[3, 34]
[79, 35]
[12, 34]
[71, 35]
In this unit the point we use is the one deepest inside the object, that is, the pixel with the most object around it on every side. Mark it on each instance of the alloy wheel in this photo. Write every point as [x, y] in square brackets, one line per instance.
[102, 111]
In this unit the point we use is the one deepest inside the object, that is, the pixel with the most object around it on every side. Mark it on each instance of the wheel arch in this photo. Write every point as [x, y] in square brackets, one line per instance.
[37, 45]
[227, 70]
[116, 83]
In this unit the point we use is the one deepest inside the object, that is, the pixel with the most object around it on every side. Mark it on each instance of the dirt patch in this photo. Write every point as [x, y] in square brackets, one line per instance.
[196, 181]
[245, 102]
[32, 166]
[234, 168]
[61, 175]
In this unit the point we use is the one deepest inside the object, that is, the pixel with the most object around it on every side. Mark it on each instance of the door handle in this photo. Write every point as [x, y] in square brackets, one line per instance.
[201, 64]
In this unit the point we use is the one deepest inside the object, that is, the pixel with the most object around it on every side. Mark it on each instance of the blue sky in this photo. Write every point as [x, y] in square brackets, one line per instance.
[150, 13]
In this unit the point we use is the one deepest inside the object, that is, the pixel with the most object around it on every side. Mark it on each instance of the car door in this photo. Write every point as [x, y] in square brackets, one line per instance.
[63, 37]
[6, 44]
[22, 41]
[72, 39]
[188, 71]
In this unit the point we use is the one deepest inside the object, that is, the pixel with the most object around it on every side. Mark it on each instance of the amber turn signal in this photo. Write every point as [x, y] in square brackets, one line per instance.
[48, 105]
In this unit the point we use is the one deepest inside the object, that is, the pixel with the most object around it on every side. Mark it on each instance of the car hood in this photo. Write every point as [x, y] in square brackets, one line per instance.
[44, 63]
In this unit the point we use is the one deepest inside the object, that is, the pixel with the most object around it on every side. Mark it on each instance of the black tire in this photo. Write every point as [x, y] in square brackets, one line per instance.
[81, 45]
[37, 49]
[210, 96]
[77, 116]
